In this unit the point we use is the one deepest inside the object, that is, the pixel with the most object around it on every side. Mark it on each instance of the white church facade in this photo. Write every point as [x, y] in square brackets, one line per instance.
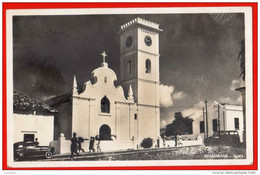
[122, 115]
[102, 109]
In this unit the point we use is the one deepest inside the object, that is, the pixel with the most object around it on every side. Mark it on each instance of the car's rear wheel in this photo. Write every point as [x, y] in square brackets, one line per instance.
[48, 155]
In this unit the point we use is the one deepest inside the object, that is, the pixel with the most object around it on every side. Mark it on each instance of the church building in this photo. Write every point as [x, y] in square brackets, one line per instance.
[127, 113]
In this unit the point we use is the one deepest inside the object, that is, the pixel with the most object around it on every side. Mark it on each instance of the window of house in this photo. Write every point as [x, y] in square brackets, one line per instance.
[202, 127]
[148, 66]
[129, 67]
[189, 128]
[105, 79]
[236, 120]
[215, 124]
[105, 105]
[135, 116]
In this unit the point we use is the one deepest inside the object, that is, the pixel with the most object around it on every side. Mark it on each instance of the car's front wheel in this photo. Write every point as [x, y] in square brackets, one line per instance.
[48, 155]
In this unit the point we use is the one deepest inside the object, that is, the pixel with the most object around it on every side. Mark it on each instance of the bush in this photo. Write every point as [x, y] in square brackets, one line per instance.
[147, 142]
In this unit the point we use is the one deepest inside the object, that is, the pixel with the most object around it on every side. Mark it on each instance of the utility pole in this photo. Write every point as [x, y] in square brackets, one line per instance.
[204, 122]
[224, 127]
[206, 107]
[218, 118]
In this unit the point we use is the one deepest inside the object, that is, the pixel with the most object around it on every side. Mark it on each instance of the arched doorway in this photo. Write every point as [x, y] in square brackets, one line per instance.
[105, 132]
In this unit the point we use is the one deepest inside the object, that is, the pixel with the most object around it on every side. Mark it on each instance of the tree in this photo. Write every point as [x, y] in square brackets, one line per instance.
[147, 142]
[241, 58]
[179, 126]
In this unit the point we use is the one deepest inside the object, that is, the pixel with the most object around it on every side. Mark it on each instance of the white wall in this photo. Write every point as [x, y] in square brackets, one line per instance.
[231, 114]
[147, 122]
[226, 121]
[41, 126]
[86, 110]
[63, 146]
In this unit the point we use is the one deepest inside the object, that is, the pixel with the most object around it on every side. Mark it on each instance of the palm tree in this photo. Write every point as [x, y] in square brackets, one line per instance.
[241, 58]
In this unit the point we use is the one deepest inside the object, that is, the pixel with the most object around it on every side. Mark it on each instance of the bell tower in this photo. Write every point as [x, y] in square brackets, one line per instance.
[139, 67]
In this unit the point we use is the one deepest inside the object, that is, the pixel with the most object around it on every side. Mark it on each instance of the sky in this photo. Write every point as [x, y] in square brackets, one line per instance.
[198, 56]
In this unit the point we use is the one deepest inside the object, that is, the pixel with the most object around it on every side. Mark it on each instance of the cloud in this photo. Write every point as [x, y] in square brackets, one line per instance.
[236, 83]
[168, 95]
[225, 100]
[179, 95]
[197, 110]
[194, 112]
[163, 124]
[229, 100]
[166, 92]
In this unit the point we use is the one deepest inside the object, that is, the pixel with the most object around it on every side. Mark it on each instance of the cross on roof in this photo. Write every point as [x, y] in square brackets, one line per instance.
[104, 56]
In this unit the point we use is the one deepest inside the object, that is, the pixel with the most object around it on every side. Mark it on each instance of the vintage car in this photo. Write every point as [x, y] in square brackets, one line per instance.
[230, 138]
[23, 150]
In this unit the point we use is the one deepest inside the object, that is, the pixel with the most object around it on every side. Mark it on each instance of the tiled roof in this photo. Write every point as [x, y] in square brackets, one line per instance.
[23, 104]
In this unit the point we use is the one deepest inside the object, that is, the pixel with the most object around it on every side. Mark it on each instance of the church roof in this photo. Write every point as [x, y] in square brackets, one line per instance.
[101, 83]
[24, 104]
[105, 70]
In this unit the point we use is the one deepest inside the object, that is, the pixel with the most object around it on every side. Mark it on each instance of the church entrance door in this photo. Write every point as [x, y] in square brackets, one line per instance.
[105, 132]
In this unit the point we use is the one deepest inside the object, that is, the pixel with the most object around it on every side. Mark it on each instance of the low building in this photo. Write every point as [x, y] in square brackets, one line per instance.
[230, 118]
[32, 119]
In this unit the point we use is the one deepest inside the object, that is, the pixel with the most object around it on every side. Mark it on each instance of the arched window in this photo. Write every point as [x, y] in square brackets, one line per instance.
[148, 66]
[105, 105]
[105, 79]
[129, 66]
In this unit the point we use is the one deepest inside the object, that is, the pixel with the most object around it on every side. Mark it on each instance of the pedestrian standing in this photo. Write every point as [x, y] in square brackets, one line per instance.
[74, 146]
[98, 146]
[93, 149]
[91, 143]
[164, 140]
[36, 141]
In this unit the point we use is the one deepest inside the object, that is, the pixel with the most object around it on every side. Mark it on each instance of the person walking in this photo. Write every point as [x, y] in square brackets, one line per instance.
[80, 141]
[74, 146]
[98, 146]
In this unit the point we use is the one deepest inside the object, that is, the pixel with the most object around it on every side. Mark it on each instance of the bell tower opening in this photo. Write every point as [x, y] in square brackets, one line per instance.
[147, 66]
